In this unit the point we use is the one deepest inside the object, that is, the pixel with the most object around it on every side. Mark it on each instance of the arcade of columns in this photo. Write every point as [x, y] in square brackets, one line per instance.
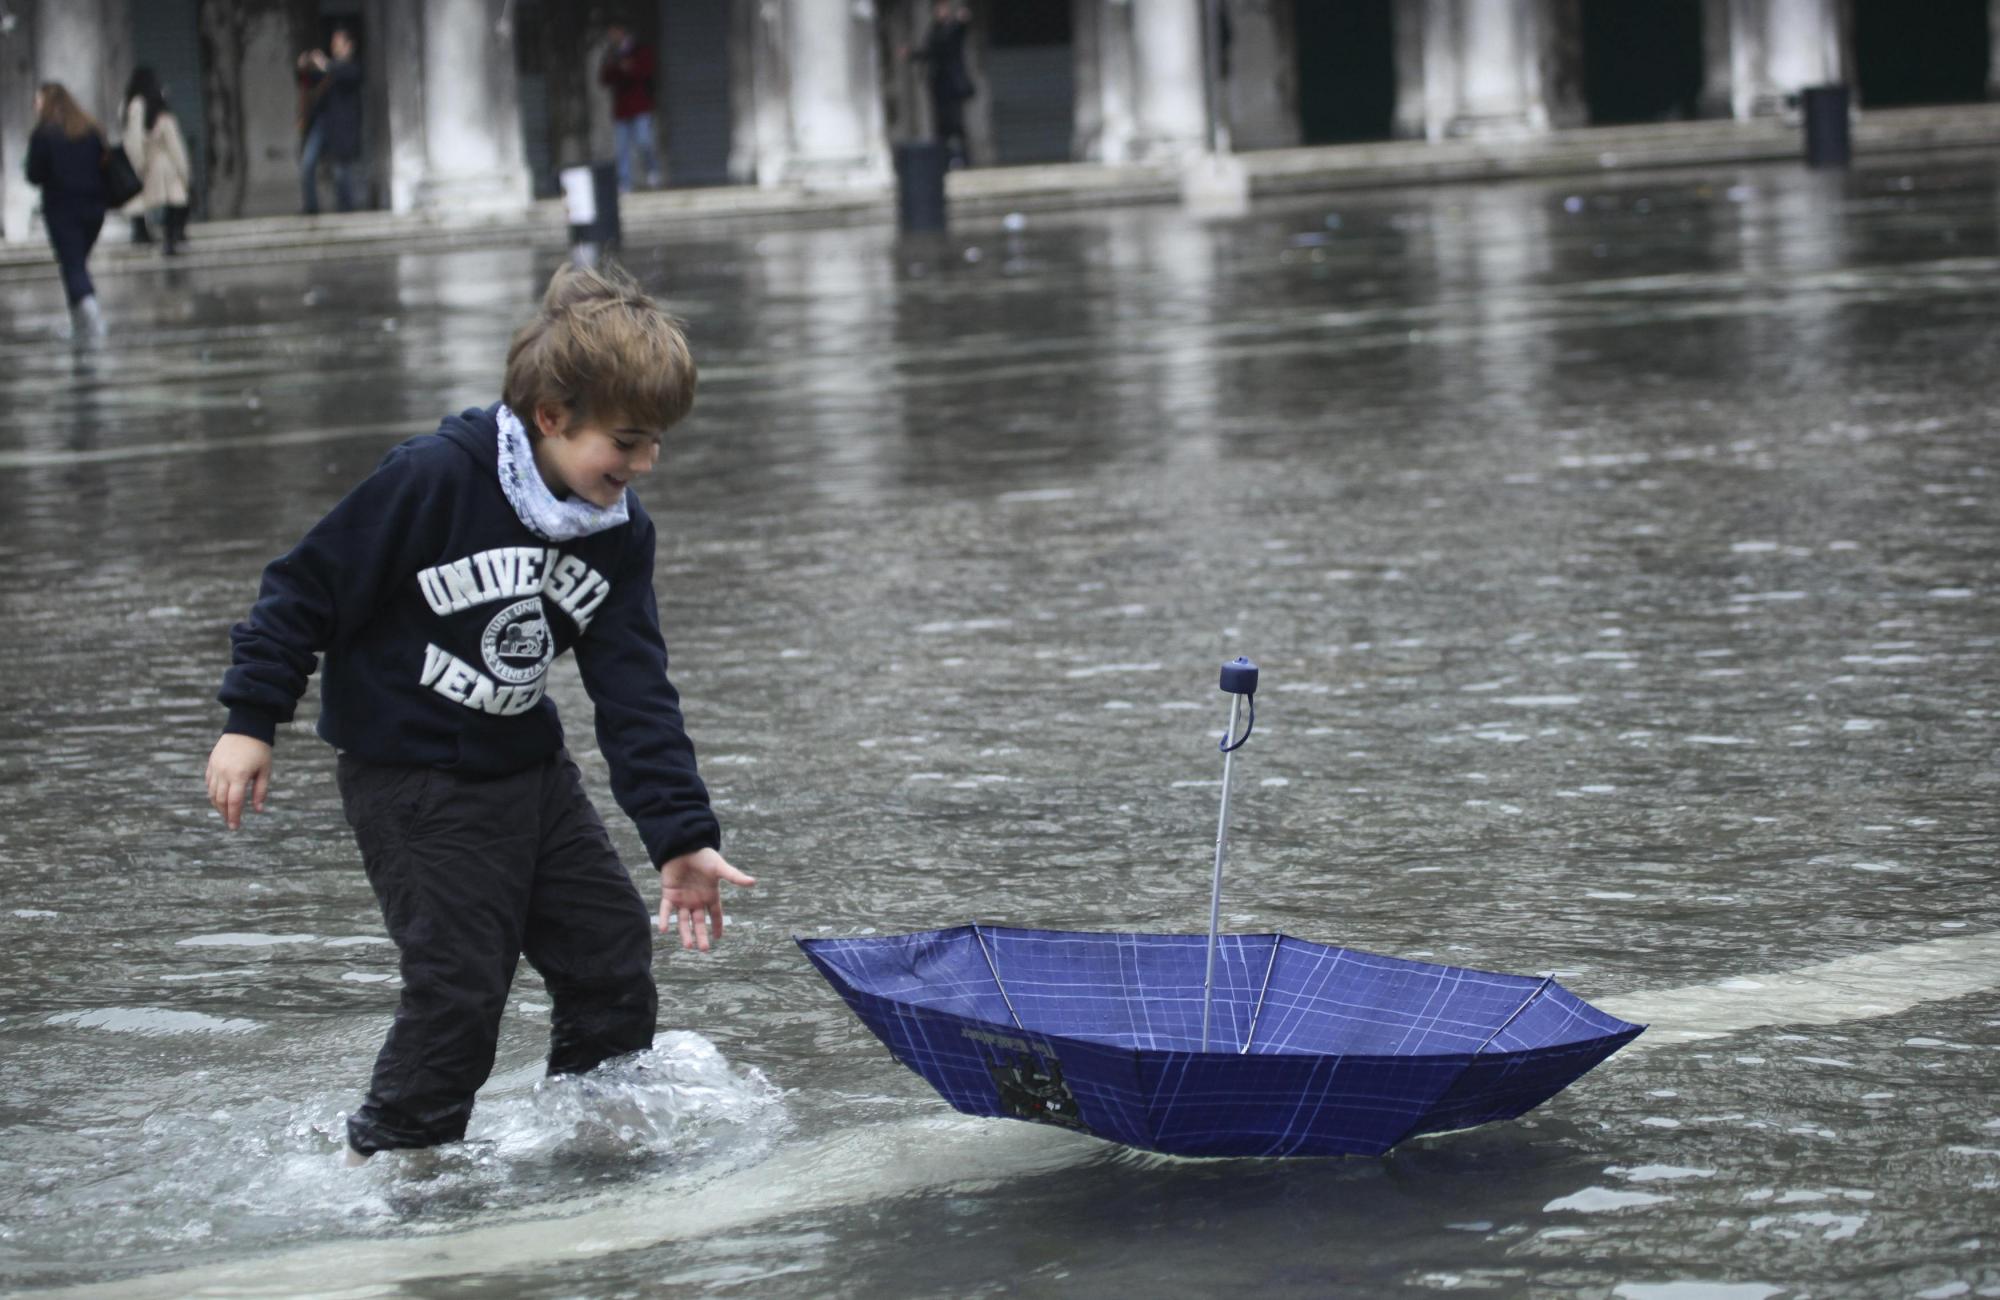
[808, 104]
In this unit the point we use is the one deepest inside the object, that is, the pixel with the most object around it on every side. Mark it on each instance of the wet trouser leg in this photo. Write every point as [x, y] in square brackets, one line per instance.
[642, 140]
[948, 120]
[345, 175]
[309, 152]
[468, 874]
[623, 132]
[451, 862]
[588, 934]
[73, 235]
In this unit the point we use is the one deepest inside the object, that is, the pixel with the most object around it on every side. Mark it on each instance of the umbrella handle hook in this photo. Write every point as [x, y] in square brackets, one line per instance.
[1239, 677]
[1228, 746]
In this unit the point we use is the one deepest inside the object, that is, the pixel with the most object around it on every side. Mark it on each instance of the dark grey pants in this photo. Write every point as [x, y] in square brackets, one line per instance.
[472, 875]
[73, 234]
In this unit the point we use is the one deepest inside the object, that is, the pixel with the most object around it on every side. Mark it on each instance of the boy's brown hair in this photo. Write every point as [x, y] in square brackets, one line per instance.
[603, 349]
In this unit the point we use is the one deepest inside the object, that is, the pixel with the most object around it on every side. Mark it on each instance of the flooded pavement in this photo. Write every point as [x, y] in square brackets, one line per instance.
[1621, 558]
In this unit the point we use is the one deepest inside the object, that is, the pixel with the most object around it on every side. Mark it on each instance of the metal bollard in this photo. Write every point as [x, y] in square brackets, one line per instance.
[590, 201]
[920, 170]
[1825, 111]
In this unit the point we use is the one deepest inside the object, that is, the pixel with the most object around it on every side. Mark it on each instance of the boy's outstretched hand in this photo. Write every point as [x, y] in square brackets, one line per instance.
[239, 773]
[691, 894]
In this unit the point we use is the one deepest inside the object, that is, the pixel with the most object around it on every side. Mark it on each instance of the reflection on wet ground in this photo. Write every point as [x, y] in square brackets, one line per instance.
[1621, 562]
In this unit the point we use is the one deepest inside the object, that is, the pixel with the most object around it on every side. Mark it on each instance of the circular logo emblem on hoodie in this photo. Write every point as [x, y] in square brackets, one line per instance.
[517, 646]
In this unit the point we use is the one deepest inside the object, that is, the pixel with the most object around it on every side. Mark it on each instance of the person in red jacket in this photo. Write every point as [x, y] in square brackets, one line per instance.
[628, 69]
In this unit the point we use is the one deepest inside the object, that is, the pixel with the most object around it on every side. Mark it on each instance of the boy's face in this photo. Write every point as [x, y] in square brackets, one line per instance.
[594, 459]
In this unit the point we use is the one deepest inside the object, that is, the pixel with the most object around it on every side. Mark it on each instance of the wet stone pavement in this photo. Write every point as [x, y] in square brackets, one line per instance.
[1621, 557]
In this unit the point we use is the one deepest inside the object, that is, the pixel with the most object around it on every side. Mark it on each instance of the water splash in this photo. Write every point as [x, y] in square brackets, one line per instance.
[269, 1171]
[680, 1098]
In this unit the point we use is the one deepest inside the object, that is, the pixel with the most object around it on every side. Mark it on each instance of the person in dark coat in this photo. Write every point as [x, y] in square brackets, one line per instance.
[951, 85]
[66, 159]
[330, 83]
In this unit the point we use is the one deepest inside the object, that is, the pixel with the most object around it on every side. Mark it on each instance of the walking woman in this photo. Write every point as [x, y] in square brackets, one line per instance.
[158, 152]
[66, 158]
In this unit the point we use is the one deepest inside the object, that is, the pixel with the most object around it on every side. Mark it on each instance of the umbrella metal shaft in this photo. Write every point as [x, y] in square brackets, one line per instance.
[1215, 885]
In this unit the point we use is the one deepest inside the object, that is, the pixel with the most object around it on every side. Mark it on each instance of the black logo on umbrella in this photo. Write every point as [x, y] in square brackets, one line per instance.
[1030, 1083]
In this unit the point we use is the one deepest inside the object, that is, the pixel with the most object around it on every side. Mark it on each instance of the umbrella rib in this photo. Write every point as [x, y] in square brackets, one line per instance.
[1262, 989]
[1500, 1029]
[996, 980]
[1526, 1002]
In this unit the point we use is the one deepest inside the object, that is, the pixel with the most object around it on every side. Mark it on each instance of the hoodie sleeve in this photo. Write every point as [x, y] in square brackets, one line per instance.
[320, 592]
[639, 728]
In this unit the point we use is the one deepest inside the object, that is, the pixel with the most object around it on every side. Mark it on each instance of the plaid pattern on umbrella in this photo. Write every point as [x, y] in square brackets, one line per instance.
[1313, 1050]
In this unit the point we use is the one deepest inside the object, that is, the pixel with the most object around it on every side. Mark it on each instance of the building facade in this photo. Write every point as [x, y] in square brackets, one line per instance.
[473, 105]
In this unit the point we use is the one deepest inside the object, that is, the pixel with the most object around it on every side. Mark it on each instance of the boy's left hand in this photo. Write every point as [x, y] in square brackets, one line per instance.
[691, 895]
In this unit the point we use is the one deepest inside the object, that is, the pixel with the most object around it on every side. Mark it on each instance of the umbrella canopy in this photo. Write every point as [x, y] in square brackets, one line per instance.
[1312, 1050]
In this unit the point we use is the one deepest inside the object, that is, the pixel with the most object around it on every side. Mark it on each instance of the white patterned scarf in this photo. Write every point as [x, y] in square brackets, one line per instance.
[545, 515]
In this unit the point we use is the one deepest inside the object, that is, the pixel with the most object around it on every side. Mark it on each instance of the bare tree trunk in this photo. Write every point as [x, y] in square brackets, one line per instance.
[563, 35]
[564, 41]
[225, 29]
[898, 31]
[222, 26]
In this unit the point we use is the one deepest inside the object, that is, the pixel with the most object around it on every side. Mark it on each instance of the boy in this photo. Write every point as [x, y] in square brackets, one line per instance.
[439, 591]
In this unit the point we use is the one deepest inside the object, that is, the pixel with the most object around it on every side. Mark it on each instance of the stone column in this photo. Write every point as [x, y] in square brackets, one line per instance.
[1408, 28]
[1482, 69]
[396, 28]
[833, 95]
[1261, 80]
[1778, 47]
[1993, 55]
[1557, 30]
[454, 108]
[86, 45]
[806, 102]
[1717, 76]
[759, 116]
[1171, 110]
[17, 121]
[1106, 126]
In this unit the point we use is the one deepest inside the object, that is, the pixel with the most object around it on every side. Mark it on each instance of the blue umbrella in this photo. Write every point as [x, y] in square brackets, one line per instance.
[1216, 1045]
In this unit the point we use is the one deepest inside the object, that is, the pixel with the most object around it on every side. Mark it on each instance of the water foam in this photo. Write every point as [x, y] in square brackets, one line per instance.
[268, 1172]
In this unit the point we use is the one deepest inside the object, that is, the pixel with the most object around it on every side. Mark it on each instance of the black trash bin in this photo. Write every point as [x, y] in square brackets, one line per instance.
[920, 171]
[604, 182]
[1825, 111]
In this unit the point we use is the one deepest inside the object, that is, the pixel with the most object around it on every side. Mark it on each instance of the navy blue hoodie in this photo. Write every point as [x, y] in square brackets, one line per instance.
[439, 614]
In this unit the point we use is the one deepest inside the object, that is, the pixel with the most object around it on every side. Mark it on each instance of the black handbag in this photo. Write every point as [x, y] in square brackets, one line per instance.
[121, 182]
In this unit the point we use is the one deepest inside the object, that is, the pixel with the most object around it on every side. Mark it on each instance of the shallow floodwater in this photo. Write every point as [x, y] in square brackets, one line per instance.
[1621, 557]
